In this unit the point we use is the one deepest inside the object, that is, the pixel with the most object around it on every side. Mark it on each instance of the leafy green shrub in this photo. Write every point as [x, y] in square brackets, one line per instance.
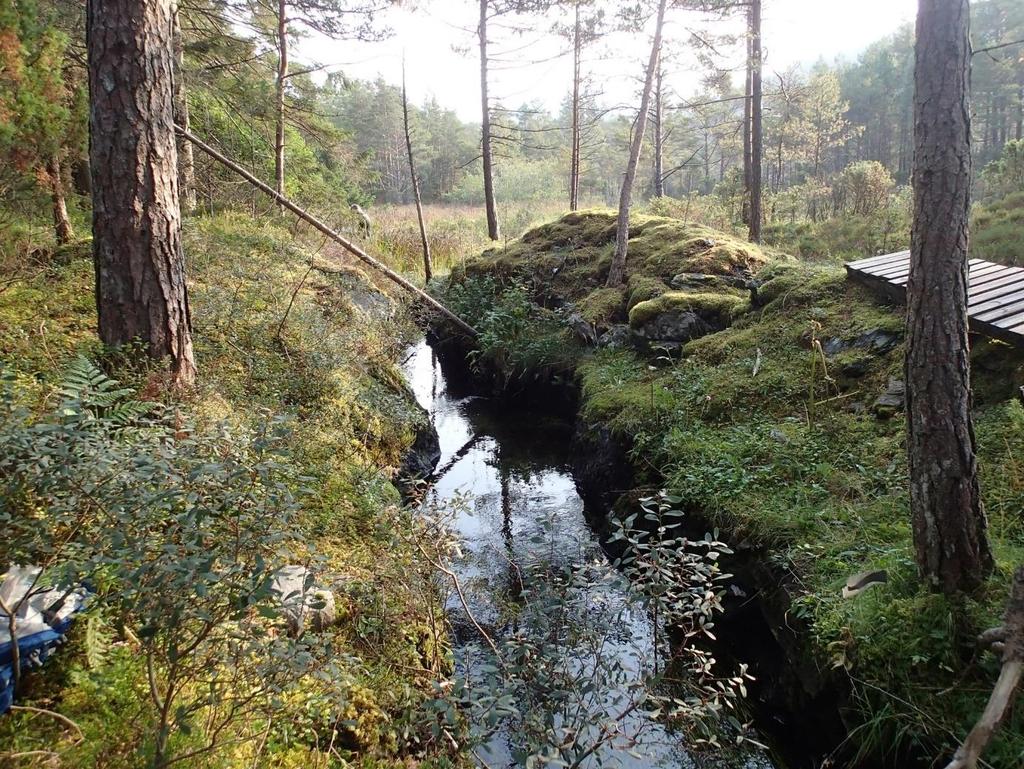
[180, 530]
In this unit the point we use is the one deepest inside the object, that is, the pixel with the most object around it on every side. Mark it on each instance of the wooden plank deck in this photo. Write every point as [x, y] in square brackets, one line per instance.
[995, 293]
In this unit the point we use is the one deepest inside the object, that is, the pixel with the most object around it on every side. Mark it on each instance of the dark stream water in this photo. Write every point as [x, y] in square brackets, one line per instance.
[504, 473]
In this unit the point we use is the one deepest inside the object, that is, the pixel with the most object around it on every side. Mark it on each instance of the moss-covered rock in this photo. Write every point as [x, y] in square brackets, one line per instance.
[717, 309]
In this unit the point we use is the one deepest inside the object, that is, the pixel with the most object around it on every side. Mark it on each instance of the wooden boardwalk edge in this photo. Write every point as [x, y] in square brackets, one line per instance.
[995, 300]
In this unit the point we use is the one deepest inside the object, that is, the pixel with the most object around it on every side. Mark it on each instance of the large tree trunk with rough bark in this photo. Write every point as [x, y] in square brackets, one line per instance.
[756, 129]
[186, 160]
[62, 228]
[428, 269]
[279, 84]
[617, 271]
[140, 276]
[948, 521]
[487, 156]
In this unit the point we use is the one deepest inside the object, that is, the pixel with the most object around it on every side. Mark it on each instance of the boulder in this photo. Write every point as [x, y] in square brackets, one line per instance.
[302, 603]
[672, 329]
[877, 341]
[583, 329]
[618, 337]
[889, 403]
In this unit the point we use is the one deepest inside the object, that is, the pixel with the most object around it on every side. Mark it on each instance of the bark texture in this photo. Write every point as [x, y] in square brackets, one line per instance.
[948, 521]
[617, 271]
[487, 155]
[140, 277]
[756, 127]
[62, 228]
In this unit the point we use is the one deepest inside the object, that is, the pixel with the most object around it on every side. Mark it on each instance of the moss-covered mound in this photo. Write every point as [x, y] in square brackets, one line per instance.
[774, 428]
[568, 260]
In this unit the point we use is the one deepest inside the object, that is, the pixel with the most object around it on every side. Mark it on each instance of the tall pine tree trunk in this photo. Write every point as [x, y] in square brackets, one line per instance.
[948, 521]
[186, 160]
[282, 76]
[617, 271]
[62, 228]
[659, 137]
[428, 268]
[493, 230]
[756, 129]
[748, 98]
[574, 161]
[140, 276]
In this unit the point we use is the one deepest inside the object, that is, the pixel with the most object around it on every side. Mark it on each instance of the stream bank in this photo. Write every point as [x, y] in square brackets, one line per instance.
[770, 414]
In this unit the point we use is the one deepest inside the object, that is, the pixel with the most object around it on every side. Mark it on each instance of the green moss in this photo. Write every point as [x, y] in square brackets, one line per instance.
[721, 307]
[640, 288]
[328, 369]
[754, 427]
[602, 306]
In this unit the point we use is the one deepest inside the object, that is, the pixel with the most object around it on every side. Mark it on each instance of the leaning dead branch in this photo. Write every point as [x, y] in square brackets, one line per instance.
[1010, 639]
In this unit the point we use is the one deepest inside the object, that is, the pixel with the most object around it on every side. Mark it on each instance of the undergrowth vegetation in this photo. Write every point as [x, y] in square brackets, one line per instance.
[178, 513]
[770, 430]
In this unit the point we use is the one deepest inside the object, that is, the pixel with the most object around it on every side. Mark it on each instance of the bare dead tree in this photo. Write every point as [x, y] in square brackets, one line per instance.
[427, 266]
[617, 270]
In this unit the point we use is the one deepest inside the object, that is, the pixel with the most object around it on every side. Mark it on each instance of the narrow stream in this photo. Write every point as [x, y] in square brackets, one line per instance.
[505, 474]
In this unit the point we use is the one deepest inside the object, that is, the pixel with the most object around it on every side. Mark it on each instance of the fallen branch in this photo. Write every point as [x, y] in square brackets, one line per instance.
[1011, 636]
[352, 248]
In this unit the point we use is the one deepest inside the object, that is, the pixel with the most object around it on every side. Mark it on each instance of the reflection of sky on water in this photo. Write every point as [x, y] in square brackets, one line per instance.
[520, 514]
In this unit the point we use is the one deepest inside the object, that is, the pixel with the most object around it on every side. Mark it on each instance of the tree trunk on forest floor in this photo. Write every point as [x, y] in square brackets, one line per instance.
[140, 276]
[756, 129]
[659, 137]
[617, 271]
[493, 229]
[282, 76]
[574, 160]
[62, 228]
[186, 160]
[428, 267]
[949, 523]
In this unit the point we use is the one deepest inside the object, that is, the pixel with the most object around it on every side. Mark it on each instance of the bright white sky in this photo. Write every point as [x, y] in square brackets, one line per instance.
[795, 32]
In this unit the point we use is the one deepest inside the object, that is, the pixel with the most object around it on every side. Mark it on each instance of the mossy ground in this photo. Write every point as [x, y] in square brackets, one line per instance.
[775, 442]
[274, 337]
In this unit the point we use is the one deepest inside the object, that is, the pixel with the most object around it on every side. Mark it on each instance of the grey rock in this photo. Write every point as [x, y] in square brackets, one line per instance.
[618, 337]
[877, 341]
[700, 282]
[891, 401]
[302, 603]
[674, 326]
[584, 330]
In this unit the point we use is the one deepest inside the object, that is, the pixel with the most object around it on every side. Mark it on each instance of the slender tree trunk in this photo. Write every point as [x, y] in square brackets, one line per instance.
[617, 271]
[186, 160]
[282, 76]
[140, 276]
[493, 230]
[756, 131]
[62, 228]
[659, 138]
[428, 270]
[574, 162]
[948, 520]
[746, 130]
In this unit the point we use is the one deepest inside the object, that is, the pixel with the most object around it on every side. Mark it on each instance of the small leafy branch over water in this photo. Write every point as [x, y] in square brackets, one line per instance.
[564, 675]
